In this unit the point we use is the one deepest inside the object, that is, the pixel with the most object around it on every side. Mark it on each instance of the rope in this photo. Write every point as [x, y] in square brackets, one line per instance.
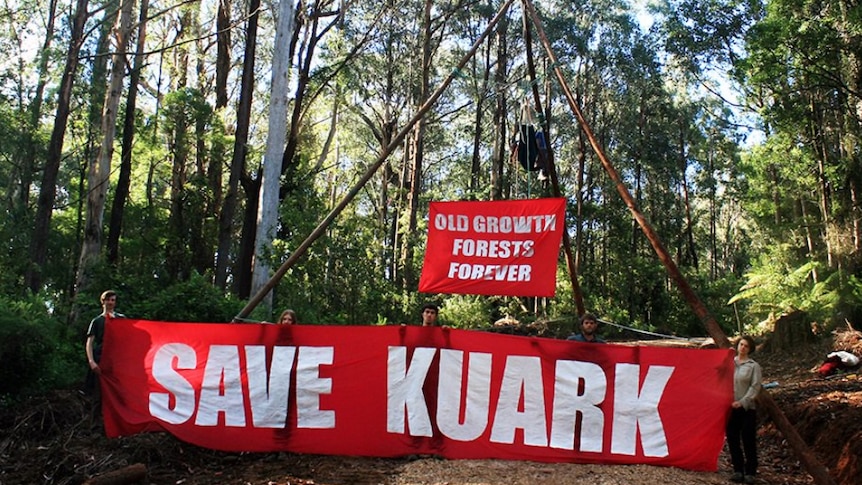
[646, 332]
[247, 320]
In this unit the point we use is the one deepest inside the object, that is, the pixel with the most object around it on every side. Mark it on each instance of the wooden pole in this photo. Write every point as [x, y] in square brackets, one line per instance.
[369, 172]
[817, 471]
[693, 300]
[548, 162]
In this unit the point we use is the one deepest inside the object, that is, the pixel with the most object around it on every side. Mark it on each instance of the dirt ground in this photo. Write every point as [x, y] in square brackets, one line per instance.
[53, 440]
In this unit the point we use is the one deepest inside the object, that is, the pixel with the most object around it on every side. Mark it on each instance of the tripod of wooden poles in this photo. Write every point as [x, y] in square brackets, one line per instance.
[808, 459]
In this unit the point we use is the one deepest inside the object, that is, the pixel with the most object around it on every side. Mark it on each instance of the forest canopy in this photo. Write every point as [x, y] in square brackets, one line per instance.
[180, 152]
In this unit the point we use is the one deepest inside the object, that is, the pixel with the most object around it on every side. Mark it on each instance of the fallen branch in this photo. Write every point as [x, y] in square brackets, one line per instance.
[130, 474]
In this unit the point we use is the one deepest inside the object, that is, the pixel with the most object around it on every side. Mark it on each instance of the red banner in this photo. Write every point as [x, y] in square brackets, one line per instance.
[402, 390]
[507, 247]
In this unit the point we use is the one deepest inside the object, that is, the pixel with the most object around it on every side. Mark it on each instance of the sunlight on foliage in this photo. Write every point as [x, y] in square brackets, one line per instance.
[829, 299]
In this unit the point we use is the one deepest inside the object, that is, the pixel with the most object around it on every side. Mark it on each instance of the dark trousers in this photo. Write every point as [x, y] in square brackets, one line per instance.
[742, 427]
[91, 382]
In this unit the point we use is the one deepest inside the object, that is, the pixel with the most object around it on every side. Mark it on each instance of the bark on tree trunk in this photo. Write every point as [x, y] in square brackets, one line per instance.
[713, 216]
[115, 226]
[790, 332]
[481, 96]
[501, 145]
[237, 166]
[417, 154]
[47, 194]
[245, 253]
[100, 169]
[267, 211]
[690, 252]
[222, 52]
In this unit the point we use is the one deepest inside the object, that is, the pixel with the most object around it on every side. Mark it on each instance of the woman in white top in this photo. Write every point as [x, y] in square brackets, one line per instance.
[742, 425]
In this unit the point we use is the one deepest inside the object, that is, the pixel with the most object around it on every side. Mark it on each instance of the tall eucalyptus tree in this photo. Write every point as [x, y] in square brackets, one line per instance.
[35, 108]
[47, 188]
[121, 193]
[238, 162]
[267, 218]
[100, 167]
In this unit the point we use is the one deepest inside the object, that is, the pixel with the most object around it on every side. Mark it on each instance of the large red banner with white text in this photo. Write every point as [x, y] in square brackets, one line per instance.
[507, 247]
[399, 390]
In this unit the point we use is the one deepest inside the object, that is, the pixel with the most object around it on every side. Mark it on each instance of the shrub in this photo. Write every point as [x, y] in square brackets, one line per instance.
[33, 354]
[195, 300]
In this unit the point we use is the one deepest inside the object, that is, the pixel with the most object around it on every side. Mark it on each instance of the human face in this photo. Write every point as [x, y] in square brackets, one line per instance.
[429, 317]
[589, 327]
[743, 348]
[287, 319]
[109, 303]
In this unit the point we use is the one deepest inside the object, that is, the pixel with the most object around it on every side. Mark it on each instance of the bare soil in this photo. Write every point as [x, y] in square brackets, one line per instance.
[54, 439]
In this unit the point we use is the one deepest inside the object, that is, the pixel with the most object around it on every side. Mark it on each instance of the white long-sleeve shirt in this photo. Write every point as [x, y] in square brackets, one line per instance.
[747, 379]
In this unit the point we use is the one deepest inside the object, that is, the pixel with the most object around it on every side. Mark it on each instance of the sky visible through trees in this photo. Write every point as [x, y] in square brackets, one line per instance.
[734, 125]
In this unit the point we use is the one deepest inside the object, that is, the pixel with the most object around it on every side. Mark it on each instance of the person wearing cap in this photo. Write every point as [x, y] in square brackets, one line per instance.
[589, 325]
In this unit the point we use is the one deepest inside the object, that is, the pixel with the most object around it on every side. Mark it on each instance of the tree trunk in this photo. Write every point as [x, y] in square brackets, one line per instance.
[809, 238]
[546, 160]
[501, 138]
[26, 173]
[287, 162]
[713, 213]
[237, 166]
[690, 252]
[177, 260]
[121, 194]
[245, 253]
[417, 154]
[99, 173]
[772, 170]
[218, 149]
[202, 252]
[267, 211]
[47, 194]
[335, 117]
[223, 30]
[790, 332]
[481, 96]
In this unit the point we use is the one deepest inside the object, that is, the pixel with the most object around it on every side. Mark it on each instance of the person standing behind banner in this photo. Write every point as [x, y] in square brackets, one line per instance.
[288, 317]
[95, 335]
[589, 325]
[430, 312]
[742, 425]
